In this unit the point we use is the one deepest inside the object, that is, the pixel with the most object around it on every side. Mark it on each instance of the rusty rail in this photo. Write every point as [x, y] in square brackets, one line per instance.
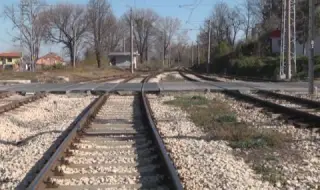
[18, 103]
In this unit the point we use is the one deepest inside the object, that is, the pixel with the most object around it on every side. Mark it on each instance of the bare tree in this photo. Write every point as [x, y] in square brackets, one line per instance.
[249, 16]
[115, 34]
[30, 26]
[167, 29]
[236, 23]
[66, 24]
[180, 53]
[101, 22]
[270, 13]
[302, 23]
[144, 20]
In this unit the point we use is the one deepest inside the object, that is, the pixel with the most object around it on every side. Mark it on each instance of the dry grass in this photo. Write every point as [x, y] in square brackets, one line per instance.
[256, 146]
[80, 73]
[215, 118]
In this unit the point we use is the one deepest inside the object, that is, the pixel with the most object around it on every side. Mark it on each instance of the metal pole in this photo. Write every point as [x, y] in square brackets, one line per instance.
[288, 69]
[22, 66]
[169, 57]
[192, 54]
[163, 56]
[131, 38]
[198, 52]
[124, 44]
[32, 48]
[209, 44]
[283, 41]
[311, 47]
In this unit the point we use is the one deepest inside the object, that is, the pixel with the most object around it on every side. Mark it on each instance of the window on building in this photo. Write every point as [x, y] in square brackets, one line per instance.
[10, 60]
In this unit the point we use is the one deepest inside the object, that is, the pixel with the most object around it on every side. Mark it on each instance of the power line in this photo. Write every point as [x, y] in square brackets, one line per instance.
[193, 10]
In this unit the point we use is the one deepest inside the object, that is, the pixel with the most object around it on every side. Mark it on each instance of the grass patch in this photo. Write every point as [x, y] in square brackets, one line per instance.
[220, 123]
[255, 145]
[270, 174]
[187, 102]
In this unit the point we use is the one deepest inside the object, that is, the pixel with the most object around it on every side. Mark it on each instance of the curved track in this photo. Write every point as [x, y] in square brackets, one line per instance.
[298, 110]
[113, 144]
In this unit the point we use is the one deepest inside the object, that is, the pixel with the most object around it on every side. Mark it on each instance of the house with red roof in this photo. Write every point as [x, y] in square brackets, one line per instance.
[10, 60]
[50, 59]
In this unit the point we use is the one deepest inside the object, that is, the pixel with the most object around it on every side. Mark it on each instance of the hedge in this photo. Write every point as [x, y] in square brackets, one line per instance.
[262, 67]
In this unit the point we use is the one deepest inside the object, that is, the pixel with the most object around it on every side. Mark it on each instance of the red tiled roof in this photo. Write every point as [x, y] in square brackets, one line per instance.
[275, 34]
[11, 54]
[52, 56]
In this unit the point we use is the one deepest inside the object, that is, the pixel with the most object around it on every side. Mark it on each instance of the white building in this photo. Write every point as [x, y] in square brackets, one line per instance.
[123, 59]
[301, 49]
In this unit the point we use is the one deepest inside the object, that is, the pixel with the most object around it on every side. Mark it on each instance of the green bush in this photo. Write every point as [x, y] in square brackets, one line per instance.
[222, 49]
[317, 71]
[252, 66]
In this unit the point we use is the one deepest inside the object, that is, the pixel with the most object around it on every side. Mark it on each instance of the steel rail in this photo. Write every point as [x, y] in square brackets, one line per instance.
[294, 99]
[300, 115]
[108, 78]
[57, 151]
[5, 94]
[245, 78]
[18, 103]
[171, 170]
[42, 178]
[307, 102]
[60, 149]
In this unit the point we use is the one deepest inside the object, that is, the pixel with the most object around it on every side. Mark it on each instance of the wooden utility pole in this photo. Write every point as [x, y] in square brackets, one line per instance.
[131, 38]
[209, 45]
[124, 44]
[198, 52]
[192, 54]
[163, 48]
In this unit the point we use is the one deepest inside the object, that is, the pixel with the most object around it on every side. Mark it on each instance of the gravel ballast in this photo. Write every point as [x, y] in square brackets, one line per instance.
[305, 95]
[114, 162]
[302, 173]
[163, 77]
[39, 122]
[11, 98]
[201, 164]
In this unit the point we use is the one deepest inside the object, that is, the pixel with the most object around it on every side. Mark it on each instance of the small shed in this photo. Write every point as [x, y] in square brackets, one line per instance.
[123, 59]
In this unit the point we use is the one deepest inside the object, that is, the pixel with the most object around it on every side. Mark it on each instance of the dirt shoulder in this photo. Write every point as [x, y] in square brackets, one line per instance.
[61, 75]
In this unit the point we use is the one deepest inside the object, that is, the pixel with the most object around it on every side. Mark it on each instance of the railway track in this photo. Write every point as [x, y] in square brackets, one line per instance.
[13, 101]
[10, 100]
[299, 111]
[5, 94]
[113, 144]
[110, 78]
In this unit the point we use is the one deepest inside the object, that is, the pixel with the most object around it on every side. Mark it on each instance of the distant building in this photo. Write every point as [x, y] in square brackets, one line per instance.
[122, 59]
[301, 48]
[10, 60]
[50, 59]
[275, 37]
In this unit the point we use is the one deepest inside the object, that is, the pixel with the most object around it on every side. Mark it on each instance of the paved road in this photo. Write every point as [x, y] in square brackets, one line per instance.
[163, 86]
